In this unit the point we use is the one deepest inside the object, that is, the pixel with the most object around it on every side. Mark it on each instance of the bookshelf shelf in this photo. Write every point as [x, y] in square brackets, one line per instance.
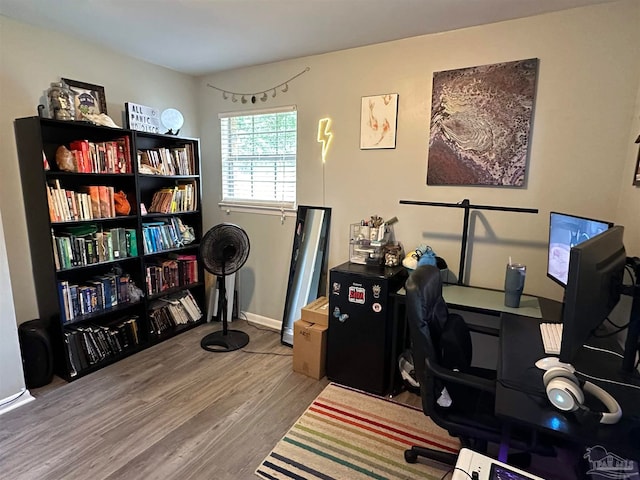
[62, 174]
[191, 246]
[170, 291]
[96, 220]
[88, 261]
[120, 308]
[117, 261]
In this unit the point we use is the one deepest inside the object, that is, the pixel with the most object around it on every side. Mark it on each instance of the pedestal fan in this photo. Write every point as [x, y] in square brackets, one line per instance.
[224, 250]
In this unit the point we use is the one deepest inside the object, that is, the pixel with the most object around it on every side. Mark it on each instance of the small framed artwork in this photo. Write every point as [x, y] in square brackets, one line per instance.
[378, 118]
[89, 98]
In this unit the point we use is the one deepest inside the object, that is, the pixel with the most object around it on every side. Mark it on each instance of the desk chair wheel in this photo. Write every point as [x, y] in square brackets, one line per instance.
[410, 456]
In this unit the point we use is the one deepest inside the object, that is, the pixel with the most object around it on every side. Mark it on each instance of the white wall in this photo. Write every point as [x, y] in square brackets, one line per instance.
[13, 391]
[628, 213]
[582, 157]
[30, 59]
[581, 162]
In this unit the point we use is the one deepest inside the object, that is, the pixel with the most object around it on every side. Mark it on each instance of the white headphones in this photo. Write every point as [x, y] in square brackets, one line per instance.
[564, 392]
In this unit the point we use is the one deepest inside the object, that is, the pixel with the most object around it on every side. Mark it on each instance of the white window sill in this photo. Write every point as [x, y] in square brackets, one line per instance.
[259, 209]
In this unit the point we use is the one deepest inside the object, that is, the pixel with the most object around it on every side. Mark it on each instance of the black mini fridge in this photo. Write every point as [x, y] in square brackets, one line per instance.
[361, 325]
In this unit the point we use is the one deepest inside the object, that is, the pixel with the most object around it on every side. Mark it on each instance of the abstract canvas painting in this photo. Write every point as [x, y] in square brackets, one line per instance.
[378, 121]
[480, 124]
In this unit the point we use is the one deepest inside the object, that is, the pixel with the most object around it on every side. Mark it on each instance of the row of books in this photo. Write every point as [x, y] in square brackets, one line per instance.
[102, 157]
[74, 250]
[168, 161]
[179, 198]
[171, 273]
[92, 344]
[171, 311]
[94, 295]
[88, 203]
[162, 235]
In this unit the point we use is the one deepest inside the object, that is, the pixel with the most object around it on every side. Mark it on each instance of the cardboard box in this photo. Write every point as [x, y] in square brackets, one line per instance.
[309, 348]
[317, 312]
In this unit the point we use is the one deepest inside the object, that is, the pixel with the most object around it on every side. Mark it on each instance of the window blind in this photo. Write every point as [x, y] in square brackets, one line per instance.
[258, 153]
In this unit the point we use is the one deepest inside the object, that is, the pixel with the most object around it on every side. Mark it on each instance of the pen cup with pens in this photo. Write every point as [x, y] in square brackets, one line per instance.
[367, 241]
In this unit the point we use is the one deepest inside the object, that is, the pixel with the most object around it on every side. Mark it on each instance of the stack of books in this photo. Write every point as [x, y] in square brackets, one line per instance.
[89, 345]
[167, 313]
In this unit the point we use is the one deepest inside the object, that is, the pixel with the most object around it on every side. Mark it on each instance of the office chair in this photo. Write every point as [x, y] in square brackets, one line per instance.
[442, 354]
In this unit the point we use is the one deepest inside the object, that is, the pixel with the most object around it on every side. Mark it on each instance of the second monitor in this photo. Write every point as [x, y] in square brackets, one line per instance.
[566, 231]
[595, 273]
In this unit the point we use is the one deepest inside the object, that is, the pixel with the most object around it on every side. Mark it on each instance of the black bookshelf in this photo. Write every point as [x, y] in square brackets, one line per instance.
[108, 322]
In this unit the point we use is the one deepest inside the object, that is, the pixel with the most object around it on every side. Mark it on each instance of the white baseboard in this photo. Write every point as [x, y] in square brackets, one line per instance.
[18, 401]
[263, 321]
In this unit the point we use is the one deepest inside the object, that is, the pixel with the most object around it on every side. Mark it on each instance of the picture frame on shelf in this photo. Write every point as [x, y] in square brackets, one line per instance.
[378, 121]
[88, 98]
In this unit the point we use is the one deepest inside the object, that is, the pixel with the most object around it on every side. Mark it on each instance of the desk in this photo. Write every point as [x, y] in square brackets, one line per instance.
[488, 303]
[520, 396]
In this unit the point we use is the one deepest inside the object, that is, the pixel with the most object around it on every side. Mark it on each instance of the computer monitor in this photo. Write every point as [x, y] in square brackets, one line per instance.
[566, 231]
[594, 284]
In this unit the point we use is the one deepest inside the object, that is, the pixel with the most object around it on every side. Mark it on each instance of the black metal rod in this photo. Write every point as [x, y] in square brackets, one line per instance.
[222, 298]
[463, 247]
[465, 204]
[465, 225]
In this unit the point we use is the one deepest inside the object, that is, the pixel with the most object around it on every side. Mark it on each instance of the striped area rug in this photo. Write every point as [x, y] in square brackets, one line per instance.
[349, 435]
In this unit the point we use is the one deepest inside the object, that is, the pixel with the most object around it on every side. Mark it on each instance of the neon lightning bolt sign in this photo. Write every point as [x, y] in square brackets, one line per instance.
[324, 136]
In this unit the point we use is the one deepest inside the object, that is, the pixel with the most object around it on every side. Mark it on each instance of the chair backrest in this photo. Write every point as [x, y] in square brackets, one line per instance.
[437, 335]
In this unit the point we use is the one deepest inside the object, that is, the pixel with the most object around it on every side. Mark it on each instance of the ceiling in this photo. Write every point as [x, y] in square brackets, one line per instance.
[205, 36]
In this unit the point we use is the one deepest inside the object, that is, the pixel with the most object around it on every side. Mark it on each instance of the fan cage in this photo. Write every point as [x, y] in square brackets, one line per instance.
[224, 240]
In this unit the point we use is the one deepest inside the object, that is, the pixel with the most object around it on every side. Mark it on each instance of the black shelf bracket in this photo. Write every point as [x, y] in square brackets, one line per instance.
[467, 206]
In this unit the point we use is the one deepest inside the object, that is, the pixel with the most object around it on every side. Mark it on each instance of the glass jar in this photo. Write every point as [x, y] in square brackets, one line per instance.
[61, 101]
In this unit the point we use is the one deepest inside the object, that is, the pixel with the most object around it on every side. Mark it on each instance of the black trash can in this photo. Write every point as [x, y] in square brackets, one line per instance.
[37, 357]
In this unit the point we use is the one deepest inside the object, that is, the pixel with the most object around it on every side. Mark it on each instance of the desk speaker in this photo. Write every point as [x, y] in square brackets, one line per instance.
[37, 357]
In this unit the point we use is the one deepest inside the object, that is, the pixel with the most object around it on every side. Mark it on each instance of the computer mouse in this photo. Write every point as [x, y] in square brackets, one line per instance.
[549, 362]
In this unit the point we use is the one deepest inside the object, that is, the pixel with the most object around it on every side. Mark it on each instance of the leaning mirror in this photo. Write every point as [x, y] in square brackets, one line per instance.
[308, 270]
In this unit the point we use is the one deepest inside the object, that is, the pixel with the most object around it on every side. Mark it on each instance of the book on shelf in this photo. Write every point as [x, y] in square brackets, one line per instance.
[179, 198]
[93, 295]
[173, 310]
[168, 161]
[93, 192]
[87, 203]
[75, 248]
[131, 242]
[171, 272]
[162, 234]
[102, 157]
[187, 269]
[89, 345]
[105, 196]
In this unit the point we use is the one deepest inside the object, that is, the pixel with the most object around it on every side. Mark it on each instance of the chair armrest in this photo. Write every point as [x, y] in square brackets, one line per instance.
[460, 378]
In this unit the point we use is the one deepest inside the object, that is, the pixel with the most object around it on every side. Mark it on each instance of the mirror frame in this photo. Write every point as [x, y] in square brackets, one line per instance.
[320, 277]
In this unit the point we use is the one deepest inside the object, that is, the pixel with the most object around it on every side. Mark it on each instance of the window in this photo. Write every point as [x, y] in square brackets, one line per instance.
[258, 151]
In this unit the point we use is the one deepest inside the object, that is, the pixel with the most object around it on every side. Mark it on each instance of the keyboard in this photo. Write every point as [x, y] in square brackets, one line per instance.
[551, 337]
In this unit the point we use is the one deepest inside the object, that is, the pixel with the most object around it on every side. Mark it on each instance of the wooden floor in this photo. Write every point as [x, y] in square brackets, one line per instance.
[173, 411]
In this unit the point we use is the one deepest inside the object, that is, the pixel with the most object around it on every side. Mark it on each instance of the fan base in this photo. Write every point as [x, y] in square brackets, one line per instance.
[218, 342]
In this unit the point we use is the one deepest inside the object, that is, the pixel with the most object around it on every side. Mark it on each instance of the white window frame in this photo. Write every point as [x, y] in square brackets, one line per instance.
[282, 208]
